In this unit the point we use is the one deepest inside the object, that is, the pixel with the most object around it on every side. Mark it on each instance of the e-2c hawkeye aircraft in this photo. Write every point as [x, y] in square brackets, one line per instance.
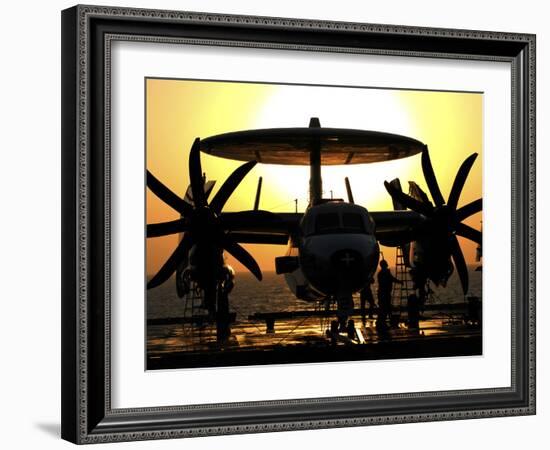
[333, 247]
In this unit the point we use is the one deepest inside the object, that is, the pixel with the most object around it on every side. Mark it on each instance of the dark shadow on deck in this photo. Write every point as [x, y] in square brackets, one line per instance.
[423, 347]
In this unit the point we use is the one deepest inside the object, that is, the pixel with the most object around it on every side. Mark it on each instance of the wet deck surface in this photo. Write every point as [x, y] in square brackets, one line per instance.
[304, 339]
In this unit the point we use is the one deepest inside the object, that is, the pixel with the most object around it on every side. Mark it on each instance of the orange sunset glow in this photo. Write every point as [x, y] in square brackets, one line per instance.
[178, 111]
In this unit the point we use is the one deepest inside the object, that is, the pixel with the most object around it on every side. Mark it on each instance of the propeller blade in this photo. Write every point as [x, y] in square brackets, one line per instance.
[396, 183]
[467, 210]
[171, 263]
[242, 256]
[230, 185]
[166, 195]
[166, 228]
[469, 233]
[416, 192]
[459, 181]
[407, 201]
[429, 176]
[208, 186]
[250, 220]
[460, 263]
[195, 175]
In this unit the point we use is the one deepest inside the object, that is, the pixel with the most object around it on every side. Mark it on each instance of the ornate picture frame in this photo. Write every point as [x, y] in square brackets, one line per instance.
[88, 415]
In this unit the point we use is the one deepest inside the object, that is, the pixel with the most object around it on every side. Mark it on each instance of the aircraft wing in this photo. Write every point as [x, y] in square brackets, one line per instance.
[395, 228]
[260, 238]
[262, 228]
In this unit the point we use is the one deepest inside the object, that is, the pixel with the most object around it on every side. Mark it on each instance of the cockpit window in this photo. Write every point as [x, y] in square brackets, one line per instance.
[327, 223]
[353, 223]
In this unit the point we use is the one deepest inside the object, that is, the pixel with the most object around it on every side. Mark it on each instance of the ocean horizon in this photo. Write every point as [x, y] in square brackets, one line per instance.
[272, 294]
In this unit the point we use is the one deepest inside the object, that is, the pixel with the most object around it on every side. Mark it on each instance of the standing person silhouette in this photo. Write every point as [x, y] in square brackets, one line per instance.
[385, 285]
[366, 297]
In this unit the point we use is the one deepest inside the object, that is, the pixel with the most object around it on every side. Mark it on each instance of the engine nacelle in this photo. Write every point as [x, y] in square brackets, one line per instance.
[430, 259]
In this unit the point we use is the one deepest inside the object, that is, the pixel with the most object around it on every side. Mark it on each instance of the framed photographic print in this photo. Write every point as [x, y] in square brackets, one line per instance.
[335, 209]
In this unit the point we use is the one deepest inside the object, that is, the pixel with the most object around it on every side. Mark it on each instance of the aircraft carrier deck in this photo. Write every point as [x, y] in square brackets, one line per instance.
[303, 337]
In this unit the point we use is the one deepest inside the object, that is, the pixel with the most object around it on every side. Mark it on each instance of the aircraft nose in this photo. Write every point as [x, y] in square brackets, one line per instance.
[346, 260]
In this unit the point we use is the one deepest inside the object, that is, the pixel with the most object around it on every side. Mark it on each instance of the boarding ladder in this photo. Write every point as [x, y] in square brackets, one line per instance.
[194, 311]
[401, 292]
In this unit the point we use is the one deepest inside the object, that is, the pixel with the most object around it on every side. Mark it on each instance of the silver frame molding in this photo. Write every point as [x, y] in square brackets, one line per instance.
[87, 35]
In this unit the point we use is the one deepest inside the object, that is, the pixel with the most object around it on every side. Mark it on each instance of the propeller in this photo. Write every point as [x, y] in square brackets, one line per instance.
[406, 247]
[444, 219]
[206, 230]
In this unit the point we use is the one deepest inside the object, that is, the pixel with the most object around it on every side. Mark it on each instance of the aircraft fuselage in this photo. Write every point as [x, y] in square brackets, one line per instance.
[335, 254]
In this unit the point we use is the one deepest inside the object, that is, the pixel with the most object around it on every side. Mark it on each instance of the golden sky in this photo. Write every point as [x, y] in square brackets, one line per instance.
[178, 111]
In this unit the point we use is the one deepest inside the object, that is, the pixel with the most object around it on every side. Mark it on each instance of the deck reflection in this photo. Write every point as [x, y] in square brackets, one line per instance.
[439, 333]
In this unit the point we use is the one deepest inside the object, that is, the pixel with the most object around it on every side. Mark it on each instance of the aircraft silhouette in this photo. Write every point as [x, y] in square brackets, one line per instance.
[333, 247]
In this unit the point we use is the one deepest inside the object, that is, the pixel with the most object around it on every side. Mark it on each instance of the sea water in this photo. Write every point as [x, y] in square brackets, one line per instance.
[251, 296]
